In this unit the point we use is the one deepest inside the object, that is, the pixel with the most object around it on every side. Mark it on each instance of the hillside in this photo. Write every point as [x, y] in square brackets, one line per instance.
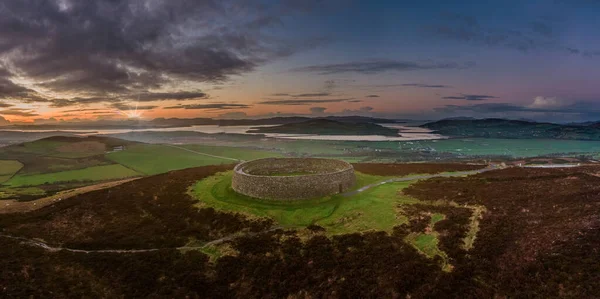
[512, 233]
[328, 127]
[513, 129]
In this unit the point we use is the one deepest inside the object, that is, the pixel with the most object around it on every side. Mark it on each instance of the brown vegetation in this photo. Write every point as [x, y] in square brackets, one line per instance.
[540, 237]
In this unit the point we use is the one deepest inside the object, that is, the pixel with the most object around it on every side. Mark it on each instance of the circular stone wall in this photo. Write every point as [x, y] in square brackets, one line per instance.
[292, 178]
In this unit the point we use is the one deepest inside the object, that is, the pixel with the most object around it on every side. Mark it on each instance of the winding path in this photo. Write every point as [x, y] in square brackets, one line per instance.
[204, 154]
[419, 177]
[48, 247]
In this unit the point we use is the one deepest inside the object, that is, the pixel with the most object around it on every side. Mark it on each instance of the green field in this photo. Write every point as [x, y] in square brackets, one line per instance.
[503, 147]
[232, 152]
[154, 158]
[8, 168]
[96, 173]
[374, 209]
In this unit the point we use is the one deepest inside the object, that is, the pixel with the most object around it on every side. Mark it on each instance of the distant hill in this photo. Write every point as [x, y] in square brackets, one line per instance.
[514, 129]
[328, 127]
[263, 121]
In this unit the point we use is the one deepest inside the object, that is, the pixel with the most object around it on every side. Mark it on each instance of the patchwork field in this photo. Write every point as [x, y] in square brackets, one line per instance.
[59, 163]
[153, 158]
[90, 174]
[8, 168]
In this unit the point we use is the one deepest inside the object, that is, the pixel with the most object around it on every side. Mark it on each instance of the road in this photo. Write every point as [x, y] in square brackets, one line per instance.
[418, 177]
[204, 154]
[13, 206]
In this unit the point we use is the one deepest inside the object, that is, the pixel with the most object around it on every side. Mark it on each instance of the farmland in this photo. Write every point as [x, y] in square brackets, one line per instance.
[154, 158]
[57, 163]
[8, 168]
[90, 174]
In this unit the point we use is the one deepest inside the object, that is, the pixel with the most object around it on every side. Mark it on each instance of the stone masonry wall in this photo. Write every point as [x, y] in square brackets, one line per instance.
[319, 177]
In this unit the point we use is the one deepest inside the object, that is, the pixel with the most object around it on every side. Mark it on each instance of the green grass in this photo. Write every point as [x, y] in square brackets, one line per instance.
[8, 193]
[231, 152]
[154, 159]
[375, 209]
[96, 173]
[436, 218]
[508, 147]
[8, 168]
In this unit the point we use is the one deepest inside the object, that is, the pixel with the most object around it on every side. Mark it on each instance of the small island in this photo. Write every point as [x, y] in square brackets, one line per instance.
[328, 127]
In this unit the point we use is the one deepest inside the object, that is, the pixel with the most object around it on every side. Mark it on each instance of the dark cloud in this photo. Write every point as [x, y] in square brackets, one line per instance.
[317, 94]
[376, 66]
[123, 106]
[583, 108]
[317, 110]
[329, 85]
[425, 85]
[280, 94]
[354, 101]
[538, 35]
[214, 106]
[125, 47]
[84, 110]
[18, 112]
[295, 102]
[140, 97]
[165, 96]
[11, 91]
[470, 97]
[372, 96]
[5, 105]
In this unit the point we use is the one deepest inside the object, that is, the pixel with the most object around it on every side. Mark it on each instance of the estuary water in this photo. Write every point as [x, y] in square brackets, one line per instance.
[407, 133]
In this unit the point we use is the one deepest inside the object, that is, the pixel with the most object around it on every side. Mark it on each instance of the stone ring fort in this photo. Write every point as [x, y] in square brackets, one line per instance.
[292, 178]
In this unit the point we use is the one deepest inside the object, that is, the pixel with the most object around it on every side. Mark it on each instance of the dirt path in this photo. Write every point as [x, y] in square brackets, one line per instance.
[13, 206]
[204, 154]
[47, 247]
[419, 177]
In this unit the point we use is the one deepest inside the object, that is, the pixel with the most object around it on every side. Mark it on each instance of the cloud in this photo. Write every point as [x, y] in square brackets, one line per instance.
[470, 97]
[590, 109]
[375, 67]
[546, 102]
[11, 91]
[280, 94]
[233, 115]
[329, 85]
[214, 106]
[537, 35]
[18, 112]
[372, 96]
[5, 105]
[140, 97]
[317, 110]
[115, 48]
[366, 110]
[425, 85]
[295, 102]
[123, 106]
[303, 95]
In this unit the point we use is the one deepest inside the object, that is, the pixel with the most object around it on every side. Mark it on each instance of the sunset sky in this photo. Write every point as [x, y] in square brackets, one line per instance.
[83, 60]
